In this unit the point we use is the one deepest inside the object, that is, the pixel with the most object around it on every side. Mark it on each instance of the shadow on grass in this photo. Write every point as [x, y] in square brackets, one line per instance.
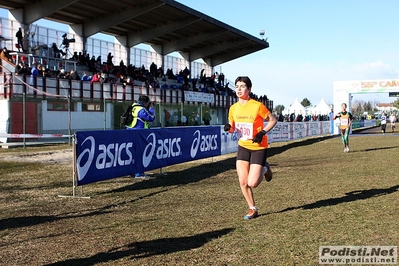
[144, 249]
[35, 220]
[204, 171]
[277, 150]
[376, 149]
[183, 177]
[349, 197]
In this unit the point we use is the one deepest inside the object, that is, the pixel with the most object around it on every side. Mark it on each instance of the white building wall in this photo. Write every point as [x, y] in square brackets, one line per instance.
[58, 121]
[4, 118]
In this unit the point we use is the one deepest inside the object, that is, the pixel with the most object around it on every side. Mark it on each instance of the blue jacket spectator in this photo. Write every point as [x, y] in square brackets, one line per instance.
[142, 113]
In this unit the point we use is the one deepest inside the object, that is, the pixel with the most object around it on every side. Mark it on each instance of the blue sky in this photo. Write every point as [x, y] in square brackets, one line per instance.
[312, 44]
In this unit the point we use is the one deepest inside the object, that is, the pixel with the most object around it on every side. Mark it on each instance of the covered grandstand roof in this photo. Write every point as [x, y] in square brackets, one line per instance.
[166, 25]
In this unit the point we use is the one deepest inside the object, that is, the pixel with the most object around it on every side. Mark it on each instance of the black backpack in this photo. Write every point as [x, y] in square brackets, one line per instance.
[127, 116]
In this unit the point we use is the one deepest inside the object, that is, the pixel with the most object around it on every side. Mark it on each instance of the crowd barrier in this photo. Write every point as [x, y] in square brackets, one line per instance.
[102, 155]
[364, 123]
[106, 154]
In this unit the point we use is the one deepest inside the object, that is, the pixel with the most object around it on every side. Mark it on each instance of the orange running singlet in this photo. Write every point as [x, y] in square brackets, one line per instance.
[248, 120]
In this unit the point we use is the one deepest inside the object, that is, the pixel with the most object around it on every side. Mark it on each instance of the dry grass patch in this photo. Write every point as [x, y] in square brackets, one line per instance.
[193, 213]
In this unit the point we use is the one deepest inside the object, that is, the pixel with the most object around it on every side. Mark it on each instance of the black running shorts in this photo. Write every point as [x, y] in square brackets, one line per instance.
[252, 156]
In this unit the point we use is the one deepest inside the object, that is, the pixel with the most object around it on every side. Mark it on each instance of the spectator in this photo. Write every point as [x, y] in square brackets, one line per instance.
[34, 71]
[57, 52]
[383, 120]
[95, 78]
[221, 79]
[47, 73]
[169, 74]
[92, 64]
[331, 116]
[392, 119]
[142, 113]
[212, 79]
[40, 69]
[160, 74]
[207, 118]
[153, 69]
[109, 59]
[85, 77]
[184, 120]
[5, 55]
[73, 75]
[166, 117]
[196, 118]
[75, 56]
[121, 80]
[61, 74]
[20, 40]
[103, 78]
[22, 68]
[81, 59]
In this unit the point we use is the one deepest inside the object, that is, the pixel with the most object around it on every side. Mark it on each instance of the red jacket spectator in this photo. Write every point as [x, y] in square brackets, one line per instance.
[95, 78]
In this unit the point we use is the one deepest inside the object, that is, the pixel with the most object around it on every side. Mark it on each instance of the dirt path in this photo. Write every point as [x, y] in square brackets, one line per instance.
[56, 156]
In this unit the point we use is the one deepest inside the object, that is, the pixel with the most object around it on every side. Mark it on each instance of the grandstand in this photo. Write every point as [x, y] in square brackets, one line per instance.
[53, 105]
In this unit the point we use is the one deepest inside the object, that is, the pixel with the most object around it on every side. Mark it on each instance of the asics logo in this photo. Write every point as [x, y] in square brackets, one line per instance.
[111, 155]
[203, 143]
[162, 148]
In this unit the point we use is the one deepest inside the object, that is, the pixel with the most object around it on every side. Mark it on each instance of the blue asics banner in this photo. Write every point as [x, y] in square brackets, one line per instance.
[102, 155]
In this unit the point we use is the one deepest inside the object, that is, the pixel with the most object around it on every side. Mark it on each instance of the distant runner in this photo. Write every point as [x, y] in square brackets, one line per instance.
[346, 120]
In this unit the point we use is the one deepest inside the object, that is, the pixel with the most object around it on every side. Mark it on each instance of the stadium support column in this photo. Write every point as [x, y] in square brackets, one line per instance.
[163, 64]
[190, 67]
[163, 60]
[128, 58]
[84, 44]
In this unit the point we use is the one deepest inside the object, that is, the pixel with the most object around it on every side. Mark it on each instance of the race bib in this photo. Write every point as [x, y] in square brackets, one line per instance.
[245, 130]
[344, 122]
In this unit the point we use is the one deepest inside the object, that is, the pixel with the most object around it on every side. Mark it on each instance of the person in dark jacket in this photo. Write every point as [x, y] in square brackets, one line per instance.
[73, 75]
[20, 40]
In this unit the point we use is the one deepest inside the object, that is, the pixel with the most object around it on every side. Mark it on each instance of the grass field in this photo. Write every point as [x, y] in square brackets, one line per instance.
[192, 214]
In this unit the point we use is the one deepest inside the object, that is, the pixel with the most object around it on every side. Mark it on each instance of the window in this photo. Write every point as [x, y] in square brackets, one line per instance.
[92, 107]
[59, 106]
